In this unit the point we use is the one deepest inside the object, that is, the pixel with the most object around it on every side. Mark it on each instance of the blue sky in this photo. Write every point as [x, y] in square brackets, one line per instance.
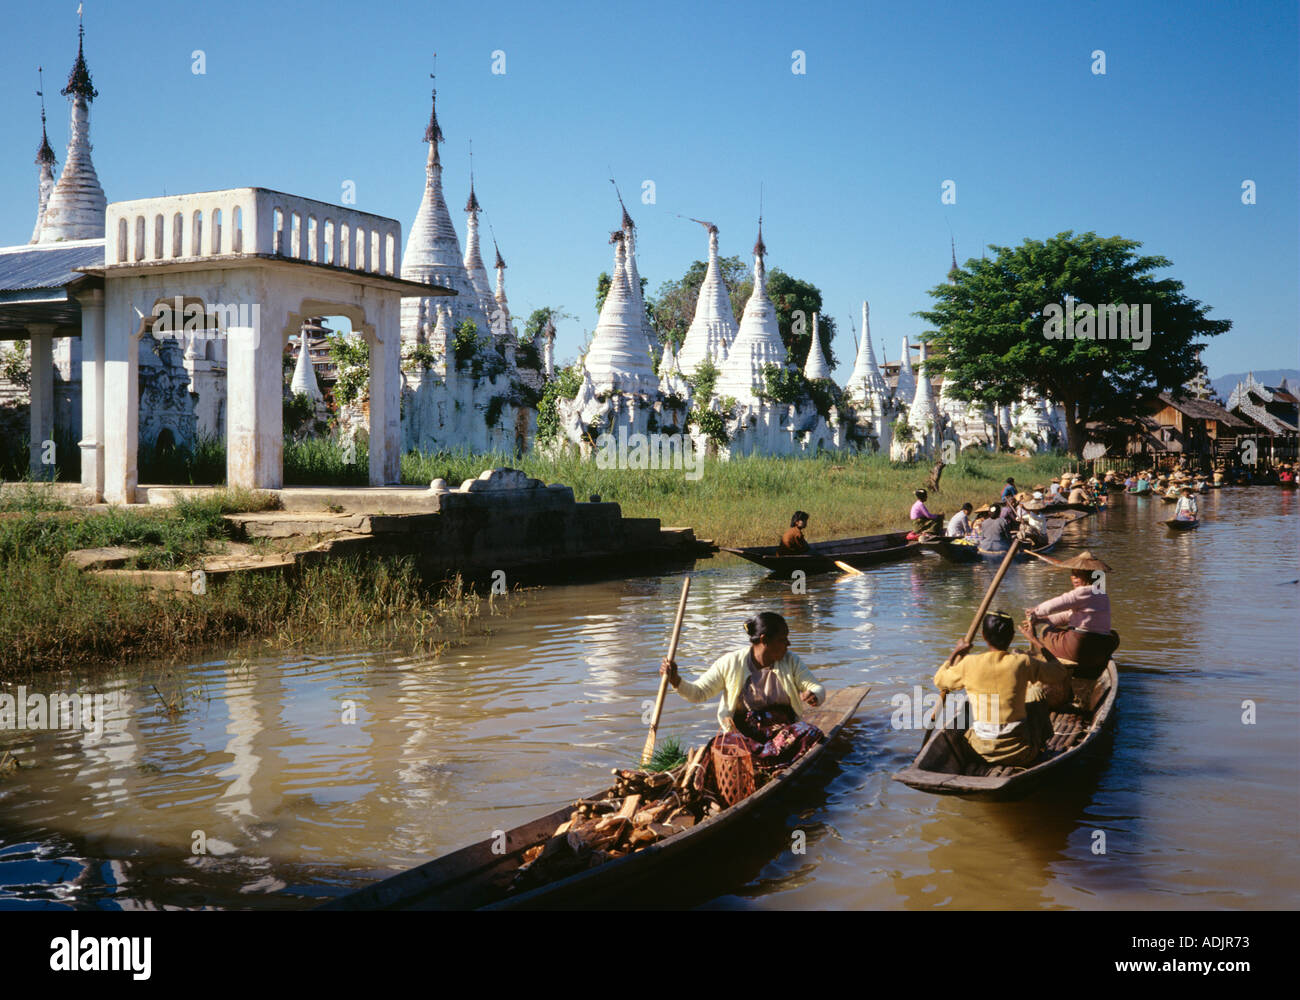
[700, 99]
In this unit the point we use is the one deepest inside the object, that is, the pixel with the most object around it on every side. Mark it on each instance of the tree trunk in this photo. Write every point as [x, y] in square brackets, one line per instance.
[1076, 430]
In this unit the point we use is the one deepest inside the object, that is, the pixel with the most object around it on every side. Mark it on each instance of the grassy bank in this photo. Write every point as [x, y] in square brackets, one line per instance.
[749, 501]
[746, 501]
[52, 615]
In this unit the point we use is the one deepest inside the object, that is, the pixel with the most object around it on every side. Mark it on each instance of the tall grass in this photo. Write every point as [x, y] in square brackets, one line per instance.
[748, 501]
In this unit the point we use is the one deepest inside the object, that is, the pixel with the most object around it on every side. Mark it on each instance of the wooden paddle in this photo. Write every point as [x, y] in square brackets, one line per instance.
[649, 749]
[851, 570]
[976, 621]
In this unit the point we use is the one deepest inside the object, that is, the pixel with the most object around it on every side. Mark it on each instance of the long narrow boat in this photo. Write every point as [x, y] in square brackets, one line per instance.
[1173, 524]
[1145, 492]
[943, 771]
[1055, 529]
[869, 550]
[479, 876]
[1287, 486]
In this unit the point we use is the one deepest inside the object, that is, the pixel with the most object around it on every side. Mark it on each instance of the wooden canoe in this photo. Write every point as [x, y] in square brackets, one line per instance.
[869, 550]
[1054, 531]
[936, 768]
[1287, 486]
[1173, 524]
[954, 550]
[1141, 493]
[477, 877]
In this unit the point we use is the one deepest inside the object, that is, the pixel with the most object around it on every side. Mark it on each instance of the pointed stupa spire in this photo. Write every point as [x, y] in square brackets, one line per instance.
[478, 275]
[954, 270]
[304, 372]
[618, 359]
[503, 307]
[816, 366]
[45, 162]
[713, 329]
[76, 205]
[758, 341]
[905, 391]
[866, 382]
[433, 254]
[671, 382]
[628, 228]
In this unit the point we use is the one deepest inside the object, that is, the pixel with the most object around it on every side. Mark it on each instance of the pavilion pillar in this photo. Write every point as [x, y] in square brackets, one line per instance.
[254, 414]
[42, 455]
[385, 396]
[92, 393]
[121, 396]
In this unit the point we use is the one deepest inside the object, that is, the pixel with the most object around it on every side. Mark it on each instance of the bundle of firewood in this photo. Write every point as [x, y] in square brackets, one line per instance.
[640, 808]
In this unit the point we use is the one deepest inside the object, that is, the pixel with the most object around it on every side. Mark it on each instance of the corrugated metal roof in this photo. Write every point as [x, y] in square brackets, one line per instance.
[46, 266]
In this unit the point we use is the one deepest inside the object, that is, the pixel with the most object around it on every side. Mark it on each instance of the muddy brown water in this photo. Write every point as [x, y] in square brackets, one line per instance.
[283, 781]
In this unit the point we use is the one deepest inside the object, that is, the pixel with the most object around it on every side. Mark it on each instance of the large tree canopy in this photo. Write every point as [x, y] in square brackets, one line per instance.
[1078, 319]
[792, 296]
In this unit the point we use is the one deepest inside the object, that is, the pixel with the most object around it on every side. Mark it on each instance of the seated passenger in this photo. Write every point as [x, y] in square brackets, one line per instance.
[922, 519]
[793, 541]
[761, 677]
[1007, 693]
[959, 526]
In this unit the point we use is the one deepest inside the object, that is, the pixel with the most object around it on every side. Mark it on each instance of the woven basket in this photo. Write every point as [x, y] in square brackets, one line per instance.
[733, 768]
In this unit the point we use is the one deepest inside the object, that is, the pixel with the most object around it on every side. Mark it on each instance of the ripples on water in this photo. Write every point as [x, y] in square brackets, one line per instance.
[295, 803]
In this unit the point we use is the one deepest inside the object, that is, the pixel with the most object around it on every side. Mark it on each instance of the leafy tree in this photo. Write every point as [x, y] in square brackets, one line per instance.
[538, 319]
[351, 355]
[1001, 328]
[791, 296]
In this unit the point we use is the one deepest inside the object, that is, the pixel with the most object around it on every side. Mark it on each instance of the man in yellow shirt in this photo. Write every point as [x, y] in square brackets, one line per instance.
[1007, 695]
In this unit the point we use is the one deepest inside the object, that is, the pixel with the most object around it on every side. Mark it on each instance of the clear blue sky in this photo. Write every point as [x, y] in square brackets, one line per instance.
[897, 98]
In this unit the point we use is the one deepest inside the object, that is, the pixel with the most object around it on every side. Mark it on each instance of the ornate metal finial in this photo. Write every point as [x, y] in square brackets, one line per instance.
[492, 232]
[79, 82]
[44, 155]
[627, 219]
[433, 132]
[472, 205]
[952, 273]
[760, 250]
[709, 226]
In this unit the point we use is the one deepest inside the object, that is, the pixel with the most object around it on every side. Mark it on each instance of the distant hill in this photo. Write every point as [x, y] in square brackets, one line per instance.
[1224, 384]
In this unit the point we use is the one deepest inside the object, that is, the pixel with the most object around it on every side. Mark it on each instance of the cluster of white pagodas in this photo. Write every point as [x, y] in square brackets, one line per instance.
[621, 393]
[458, 393]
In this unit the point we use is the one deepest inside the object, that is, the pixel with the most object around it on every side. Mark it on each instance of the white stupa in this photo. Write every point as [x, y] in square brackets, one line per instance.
[44, 176]
[905, 390]
[473, 261]
[816, 366]
[433, 253]
[866, 383]
[76, 205]
[713, 330]
[758, 341]
[634, 277]
[922, 417]
[619, 357]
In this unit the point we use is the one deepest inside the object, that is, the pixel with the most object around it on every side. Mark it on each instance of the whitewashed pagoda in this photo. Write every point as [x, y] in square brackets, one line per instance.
[76, 205]
[479, 400]
[713, 328]
[868, 394]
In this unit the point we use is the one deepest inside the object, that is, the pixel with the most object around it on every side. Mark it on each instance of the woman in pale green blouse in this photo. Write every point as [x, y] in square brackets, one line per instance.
[758, 677]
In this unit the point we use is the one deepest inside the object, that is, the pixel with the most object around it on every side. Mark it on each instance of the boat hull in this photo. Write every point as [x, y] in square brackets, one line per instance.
[478, 876]
[935, 771]
[1173, 524]
[869, 550]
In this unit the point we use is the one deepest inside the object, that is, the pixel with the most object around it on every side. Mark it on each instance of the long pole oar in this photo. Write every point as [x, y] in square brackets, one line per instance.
[649, 749]
[975, 622]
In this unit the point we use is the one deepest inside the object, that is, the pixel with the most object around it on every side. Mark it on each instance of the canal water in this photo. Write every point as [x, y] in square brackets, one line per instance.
[279, 782]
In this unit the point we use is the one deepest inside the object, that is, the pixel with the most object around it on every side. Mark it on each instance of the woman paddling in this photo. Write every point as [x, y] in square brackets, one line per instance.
[764, 686]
